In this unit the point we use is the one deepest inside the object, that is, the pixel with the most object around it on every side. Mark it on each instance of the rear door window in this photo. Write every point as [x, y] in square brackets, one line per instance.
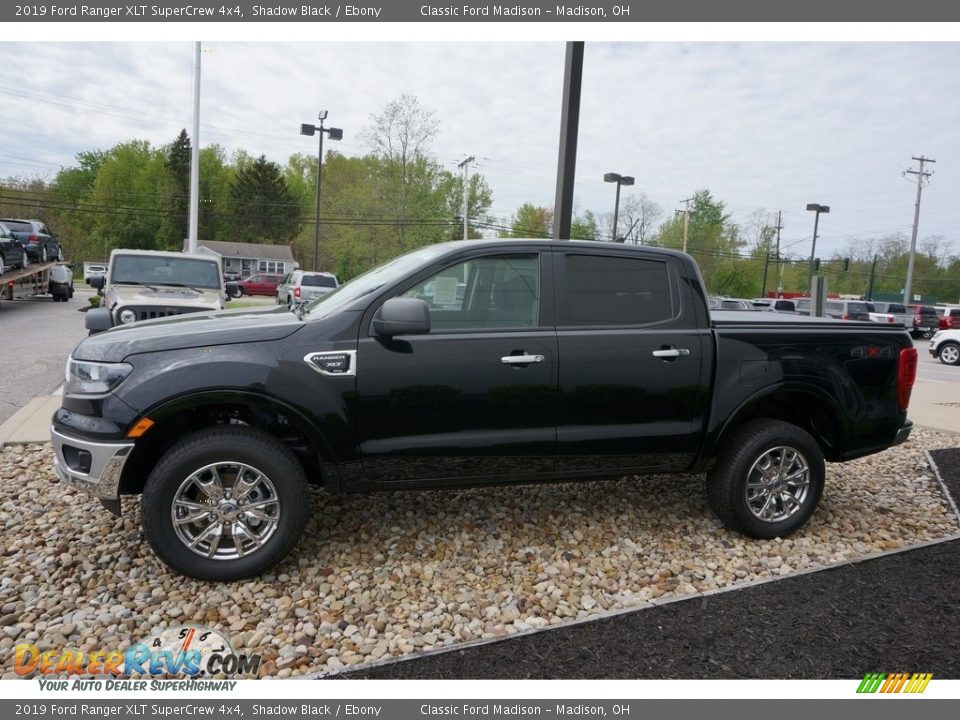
[603, 291]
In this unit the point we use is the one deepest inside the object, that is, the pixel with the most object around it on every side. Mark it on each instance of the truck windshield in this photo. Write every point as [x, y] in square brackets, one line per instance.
[154, 270]
[369, 282]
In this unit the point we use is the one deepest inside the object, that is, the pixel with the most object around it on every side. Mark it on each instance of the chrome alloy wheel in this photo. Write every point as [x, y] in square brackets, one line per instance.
[225, 511]
[777, 484]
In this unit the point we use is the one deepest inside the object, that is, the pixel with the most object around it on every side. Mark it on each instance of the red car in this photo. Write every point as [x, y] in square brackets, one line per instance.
[260, 284]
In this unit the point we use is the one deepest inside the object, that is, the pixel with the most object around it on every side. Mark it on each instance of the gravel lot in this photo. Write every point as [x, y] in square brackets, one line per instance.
[393, 574]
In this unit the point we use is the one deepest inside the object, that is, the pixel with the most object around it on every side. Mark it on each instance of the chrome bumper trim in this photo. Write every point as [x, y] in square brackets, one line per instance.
[106, 465]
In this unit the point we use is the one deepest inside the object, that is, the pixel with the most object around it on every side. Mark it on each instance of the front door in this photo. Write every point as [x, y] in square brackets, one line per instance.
[476, 397]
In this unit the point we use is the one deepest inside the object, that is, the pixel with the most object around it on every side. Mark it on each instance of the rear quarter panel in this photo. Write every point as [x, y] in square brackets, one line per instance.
[844, 369]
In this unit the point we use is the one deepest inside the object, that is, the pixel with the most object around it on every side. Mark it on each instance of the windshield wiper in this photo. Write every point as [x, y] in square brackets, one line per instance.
[135, 282]
[183, 285]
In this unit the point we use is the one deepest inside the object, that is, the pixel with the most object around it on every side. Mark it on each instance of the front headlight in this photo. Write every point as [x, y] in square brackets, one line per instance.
[93, 378]
[127, 316]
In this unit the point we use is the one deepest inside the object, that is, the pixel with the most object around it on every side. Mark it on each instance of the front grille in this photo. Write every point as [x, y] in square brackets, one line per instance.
[153, 312]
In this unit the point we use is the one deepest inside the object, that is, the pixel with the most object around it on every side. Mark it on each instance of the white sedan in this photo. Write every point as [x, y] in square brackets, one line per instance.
[945, 345]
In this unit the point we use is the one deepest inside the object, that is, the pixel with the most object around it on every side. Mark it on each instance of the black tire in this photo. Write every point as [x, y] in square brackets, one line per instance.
[43, 253]
[225, 446]
[727, 483]
[949, 353]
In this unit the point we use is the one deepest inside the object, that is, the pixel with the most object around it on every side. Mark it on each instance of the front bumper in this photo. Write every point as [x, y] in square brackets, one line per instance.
[94, 468]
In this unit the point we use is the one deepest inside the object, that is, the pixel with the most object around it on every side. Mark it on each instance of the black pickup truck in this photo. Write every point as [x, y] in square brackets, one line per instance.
[468, 363]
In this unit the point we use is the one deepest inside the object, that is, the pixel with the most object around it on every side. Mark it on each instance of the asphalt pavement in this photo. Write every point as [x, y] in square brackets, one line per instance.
[37, 336]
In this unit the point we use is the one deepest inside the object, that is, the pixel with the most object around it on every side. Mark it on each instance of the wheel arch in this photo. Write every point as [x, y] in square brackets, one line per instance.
[815, 412]
[187, 414]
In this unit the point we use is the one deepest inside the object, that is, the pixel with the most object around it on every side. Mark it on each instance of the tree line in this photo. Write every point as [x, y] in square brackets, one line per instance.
[397, 197]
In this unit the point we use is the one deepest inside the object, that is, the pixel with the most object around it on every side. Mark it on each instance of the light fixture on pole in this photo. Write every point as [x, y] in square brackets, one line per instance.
[335, 134]
[814, 207]
[619, 180]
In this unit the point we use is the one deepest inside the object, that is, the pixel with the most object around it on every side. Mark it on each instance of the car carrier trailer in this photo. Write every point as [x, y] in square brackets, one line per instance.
[36, 280]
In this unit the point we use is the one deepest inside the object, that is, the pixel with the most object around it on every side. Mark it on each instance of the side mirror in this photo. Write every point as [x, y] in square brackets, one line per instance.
[97, 282]
[233, 290]
[402, 316]
[98, 320]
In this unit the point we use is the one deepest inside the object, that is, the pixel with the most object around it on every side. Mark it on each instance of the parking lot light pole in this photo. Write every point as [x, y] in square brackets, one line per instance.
[335, 134]
[619, 180]
[814, 207]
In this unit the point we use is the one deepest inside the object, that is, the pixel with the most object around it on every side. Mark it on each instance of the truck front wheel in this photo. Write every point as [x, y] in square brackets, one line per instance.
[225, 503]
[769, 481]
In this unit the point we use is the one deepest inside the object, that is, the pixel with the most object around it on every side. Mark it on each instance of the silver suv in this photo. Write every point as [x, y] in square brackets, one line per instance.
[301, 286]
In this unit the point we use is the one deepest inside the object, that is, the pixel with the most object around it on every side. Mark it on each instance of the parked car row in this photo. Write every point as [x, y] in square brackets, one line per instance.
[727, 303]
[297, 287]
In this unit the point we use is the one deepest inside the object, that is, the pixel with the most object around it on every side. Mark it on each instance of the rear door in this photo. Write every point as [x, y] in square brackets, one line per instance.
[476, 397]
[632, 387]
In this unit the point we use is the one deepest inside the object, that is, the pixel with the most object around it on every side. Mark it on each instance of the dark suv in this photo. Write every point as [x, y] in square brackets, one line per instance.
[925, 320]
[12, 254]
[40, 244]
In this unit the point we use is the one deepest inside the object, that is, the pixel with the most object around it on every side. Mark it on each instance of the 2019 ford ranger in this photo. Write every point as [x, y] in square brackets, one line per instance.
[467, 363]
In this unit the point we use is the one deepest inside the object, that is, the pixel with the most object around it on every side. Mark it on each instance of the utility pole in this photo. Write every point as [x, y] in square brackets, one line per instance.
[763, 285]
[921, 176]
[686, 220]
[466, 191]
[873, 270]
[194, 218]
[779, 265]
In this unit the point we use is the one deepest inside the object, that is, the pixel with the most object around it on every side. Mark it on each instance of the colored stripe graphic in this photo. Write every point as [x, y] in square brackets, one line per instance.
[870, 682]
[914, 683]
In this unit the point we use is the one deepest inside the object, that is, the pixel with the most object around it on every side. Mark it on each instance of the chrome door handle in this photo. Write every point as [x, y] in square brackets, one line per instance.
[521, 359]
[671, 353]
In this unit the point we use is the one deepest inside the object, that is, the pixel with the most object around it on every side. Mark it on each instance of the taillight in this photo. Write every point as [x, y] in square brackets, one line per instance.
[33, 239]
[845, 316]
[906, 376]
[889, 318]
[296, 292]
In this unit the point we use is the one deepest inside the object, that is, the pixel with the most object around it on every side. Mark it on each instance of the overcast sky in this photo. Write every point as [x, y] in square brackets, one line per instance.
[770, 126]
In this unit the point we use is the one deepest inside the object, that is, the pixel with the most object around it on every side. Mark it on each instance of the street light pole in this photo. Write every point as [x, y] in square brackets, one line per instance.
[816, 208]
[335, 134]
[619, 180]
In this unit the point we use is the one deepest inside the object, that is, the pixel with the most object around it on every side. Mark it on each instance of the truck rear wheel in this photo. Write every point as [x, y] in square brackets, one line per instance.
[225, 503]
[769, 481]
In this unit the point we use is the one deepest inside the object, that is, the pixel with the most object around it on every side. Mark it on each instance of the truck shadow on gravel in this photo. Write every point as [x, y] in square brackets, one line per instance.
[391, 574]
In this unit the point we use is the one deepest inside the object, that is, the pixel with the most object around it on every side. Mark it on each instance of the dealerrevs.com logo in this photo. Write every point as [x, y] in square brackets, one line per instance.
[190, 650]
[910, 683]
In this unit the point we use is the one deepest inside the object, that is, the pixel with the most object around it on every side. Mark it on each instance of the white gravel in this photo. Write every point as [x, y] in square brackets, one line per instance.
[391, 574]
